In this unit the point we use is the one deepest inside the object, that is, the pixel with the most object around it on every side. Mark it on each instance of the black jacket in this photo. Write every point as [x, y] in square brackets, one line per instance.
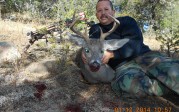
[128, 28]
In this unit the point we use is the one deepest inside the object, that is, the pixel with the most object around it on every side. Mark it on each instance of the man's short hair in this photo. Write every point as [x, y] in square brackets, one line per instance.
[109, 2]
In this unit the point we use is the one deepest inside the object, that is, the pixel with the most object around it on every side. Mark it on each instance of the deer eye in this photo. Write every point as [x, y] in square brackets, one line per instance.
[102, 51]
[86, 50]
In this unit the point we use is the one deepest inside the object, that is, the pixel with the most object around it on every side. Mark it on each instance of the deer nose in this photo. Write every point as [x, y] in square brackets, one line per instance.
[94, 66]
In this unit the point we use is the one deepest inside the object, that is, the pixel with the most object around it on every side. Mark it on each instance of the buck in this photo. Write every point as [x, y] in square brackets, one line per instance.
[95, 71]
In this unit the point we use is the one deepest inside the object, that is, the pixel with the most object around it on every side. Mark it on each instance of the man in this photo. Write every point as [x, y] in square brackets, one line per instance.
[139, 71]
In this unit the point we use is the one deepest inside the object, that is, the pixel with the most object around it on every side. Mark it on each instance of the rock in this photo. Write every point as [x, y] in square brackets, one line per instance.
[42, 69]
[8, 52]
[57, 36]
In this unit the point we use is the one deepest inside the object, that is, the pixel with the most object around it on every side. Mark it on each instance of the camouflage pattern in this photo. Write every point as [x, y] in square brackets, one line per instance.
[150, 74]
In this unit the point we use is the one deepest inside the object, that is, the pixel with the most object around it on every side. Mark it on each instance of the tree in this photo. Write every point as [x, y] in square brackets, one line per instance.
[168, 31]
[162, 17]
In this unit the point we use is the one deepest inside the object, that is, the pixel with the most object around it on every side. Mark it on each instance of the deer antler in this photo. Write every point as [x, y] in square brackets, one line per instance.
[82, 35]
[115, 25]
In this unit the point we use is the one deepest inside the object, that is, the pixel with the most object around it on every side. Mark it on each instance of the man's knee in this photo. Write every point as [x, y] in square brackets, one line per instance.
[133, 80]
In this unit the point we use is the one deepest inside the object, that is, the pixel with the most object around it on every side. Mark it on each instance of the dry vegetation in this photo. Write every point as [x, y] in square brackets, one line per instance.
[152, 43]
[64, 90]
[15, 32]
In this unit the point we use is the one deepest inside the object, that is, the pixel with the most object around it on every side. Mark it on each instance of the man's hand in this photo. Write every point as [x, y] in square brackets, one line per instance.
[107, 55]
[82, 16]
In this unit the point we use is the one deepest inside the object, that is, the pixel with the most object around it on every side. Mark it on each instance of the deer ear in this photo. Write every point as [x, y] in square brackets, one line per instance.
[114, 44]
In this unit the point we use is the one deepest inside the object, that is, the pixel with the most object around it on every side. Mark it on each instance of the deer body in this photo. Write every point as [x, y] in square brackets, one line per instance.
[95, 71]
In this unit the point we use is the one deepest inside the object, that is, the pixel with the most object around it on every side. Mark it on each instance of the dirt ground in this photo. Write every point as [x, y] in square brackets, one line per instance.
[47, 80]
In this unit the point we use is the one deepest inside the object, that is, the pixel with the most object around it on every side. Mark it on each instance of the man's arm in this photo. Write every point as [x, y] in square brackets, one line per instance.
[129, 29]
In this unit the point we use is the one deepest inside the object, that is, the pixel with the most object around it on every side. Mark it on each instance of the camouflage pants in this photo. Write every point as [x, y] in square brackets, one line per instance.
[150, 74]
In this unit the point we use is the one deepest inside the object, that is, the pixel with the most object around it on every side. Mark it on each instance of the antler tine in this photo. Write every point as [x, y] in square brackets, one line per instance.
[82, 35]
[115, 25]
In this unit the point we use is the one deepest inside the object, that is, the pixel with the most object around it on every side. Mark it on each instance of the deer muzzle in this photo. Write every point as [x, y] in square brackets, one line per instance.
[94, 66]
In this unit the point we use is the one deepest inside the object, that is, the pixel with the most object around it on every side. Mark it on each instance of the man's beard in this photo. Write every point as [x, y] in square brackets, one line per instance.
[103, 16]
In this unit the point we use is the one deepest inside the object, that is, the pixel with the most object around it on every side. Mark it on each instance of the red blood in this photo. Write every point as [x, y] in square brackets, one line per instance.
[73, 108]
[40, 87]
[38, 95]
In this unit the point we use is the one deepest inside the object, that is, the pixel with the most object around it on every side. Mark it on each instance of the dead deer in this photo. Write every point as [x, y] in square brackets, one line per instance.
[94, 71]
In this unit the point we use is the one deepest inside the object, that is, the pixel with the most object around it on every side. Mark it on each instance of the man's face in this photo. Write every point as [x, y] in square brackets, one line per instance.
[103, 8]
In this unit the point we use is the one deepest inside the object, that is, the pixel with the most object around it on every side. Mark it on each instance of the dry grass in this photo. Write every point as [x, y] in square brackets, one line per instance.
[152, 43]
[15, 32]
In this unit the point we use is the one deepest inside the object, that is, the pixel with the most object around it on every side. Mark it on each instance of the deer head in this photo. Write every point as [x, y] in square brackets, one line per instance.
[94, 48]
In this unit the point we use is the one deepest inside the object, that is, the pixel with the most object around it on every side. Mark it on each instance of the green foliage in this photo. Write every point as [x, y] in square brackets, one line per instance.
[168, 28]
[65, 10]
[162, 16]
[51, 9]
[42, 30]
